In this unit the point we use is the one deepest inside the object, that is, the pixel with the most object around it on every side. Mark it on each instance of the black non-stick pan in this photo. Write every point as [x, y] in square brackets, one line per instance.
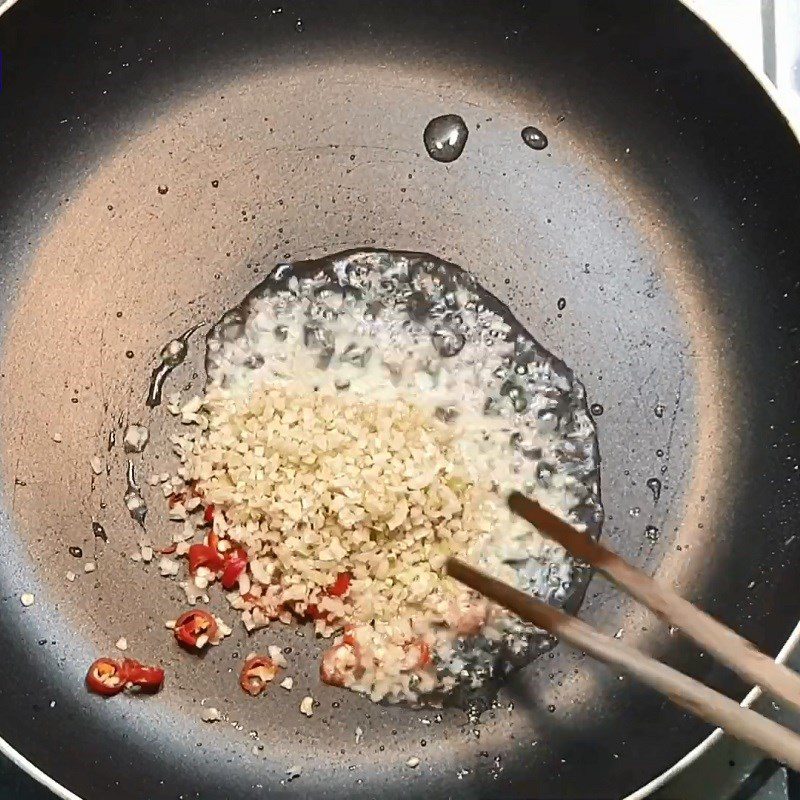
[157, 158]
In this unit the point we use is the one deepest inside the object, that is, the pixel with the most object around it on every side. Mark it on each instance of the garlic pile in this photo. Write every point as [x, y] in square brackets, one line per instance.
[317, 485]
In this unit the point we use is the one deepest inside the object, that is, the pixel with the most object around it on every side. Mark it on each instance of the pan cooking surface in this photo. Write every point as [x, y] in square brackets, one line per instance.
[153, 170]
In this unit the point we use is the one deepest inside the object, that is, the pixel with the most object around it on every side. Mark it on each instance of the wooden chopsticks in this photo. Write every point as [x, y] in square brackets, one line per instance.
[730, 648]
[735, 651]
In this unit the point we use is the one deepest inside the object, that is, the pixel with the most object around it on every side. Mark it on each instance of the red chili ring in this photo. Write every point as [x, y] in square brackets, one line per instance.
[235, 566]
[147, 679]
[193, 624]
[250, 680]
[203, 555]
[105, 677]
[340, 586]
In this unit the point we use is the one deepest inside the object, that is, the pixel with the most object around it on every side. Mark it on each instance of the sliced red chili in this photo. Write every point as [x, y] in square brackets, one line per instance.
[148, 679]
[329, 670]
[202, 555]
[233, 569]
[208, 514]
[194, 628]
[174, 499]
[339, 663]
[238, 553]
[256, 673]
[313, 612]
[105, 677]
[188, 492]
[419, 654]
[340, 586]
[347, 636]
[235, 565]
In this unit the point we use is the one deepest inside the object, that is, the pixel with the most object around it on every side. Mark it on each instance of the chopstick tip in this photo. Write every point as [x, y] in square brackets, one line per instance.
[515, 499]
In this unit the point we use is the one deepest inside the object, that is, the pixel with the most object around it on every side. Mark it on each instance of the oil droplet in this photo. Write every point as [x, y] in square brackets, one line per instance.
[534, 138]
[562, 303]
[76, 552]
[163, 188]
[448, 343]
[654, 485]
[651, 532]
[99, 531]
[659, 410]
[596, 409]
[215, 183]
[445, 137]
[172, 354]
[133, 499]
[298, 26]
[635, 511]
[660, 453]
[135, 438]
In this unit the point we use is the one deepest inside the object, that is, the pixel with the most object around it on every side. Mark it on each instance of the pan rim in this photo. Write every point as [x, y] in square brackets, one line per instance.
[793, 122]
[679, 766]
[5, 5]
[754, 694]
[58, 789]
[782, 104]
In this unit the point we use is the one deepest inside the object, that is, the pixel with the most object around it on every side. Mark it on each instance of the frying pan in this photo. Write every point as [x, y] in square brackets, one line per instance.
[653, 245]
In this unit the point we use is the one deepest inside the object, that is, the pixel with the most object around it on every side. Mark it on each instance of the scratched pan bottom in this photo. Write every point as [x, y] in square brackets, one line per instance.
[658, 215]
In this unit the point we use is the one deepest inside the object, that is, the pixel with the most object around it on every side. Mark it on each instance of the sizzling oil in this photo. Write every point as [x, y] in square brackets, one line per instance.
[378, 324]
